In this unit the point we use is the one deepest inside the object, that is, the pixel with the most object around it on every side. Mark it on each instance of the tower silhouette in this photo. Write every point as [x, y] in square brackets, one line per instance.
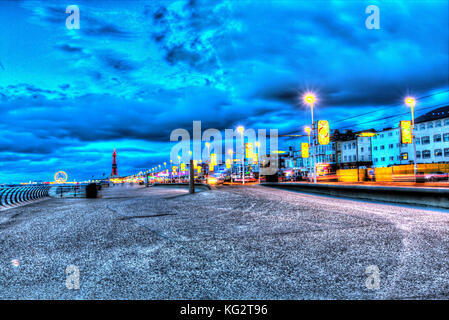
[114, 164]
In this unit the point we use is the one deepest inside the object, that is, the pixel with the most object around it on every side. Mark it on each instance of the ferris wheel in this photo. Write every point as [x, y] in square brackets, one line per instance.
[60, 177]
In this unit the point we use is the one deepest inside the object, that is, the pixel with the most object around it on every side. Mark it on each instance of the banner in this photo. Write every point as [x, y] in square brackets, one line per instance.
[255, 158]
[213, 159]
[406, 131]
[248, 150]
[323, 132]
[304, 150]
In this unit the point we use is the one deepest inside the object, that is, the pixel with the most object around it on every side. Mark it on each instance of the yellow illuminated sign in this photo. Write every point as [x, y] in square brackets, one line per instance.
[406, 131]
[228, 163]
[183, 167]
[195, 164]
[304, 150]
[367, 134]
[255, 156]
[213, 159]
[323, 132]
[211, 167]
[249, 150]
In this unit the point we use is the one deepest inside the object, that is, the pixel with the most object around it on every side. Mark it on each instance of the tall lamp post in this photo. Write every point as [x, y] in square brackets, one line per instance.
[310, 99]
[411, 103]
[258, 158]
[241, 130]
[307, 129]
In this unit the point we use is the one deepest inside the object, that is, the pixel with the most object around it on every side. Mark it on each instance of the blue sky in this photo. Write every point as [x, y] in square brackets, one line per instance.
[136, 70]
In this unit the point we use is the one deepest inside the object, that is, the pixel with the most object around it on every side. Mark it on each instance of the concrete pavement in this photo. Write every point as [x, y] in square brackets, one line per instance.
[233, 242]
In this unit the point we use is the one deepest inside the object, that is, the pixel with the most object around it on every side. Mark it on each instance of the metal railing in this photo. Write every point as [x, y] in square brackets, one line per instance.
[12, 195]
[69, 191]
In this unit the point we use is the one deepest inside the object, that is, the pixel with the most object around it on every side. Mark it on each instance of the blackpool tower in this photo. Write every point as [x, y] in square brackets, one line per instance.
[114, 164]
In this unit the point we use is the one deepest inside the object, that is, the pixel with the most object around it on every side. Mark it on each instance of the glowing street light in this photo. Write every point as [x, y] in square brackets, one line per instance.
[309, 98]
[242, 130]
[410, 101]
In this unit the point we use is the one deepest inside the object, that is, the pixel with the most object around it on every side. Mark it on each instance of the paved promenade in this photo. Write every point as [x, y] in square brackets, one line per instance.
[232, 242]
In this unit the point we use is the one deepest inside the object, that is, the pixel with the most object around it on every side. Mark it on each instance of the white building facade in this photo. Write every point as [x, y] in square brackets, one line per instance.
[387, 149]
[432, 138]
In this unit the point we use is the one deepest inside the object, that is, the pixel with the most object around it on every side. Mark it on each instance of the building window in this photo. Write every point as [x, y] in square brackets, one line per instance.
[437, 138]
[391, 158]
[391, 146]
[375, 137]
[430, 125]
[361, 149]
[375, 159]
[382, 159]
[375, 148]
[363, 158]
[438, 123]
[438, 153]
[426, 154]
[425, 140]
[418, 154]
[346, 158]
[418, 140]
[446, 137]
[446, 152]
[382, 147]
[390, 134]
[349, 146]
[446, 122]
[353, 145]
[422, 127]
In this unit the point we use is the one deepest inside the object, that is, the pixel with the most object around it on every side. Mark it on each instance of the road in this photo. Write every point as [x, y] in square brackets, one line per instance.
[232, 242]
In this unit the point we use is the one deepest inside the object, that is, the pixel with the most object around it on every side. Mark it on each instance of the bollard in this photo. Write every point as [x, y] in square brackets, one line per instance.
[192, 178]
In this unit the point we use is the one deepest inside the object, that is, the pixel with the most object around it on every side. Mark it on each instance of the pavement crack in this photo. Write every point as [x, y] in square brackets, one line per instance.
[147, 216]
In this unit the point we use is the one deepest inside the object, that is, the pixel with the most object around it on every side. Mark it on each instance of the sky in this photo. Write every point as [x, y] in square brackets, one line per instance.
[137, 70]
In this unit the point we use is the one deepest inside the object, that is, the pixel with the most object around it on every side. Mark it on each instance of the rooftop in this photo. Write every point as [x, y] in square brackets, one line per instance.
[435, 114]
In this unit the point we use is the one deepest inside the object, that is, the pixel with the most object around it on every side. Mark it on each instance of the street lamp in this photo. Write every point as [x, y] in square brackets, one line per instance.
[310, 99]
[241, 130]
[411, 103]
[258, 156]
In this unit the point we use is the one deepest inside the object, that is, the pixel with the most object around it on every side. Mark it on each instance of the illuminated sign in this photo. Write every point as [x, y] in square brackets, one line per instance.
[183, 167]
[405, 156]
[213, 159]
[249, 150]
[228, 163]
[323, 132]
[255, 158]
[304, 150]
[195, 164]
[211, 167]
[406, 131]
[367, 134]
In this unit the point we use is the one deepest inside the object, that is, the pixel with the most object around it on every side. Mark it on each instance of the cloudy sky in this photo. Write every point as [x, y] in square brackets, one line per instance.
[136, 70]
